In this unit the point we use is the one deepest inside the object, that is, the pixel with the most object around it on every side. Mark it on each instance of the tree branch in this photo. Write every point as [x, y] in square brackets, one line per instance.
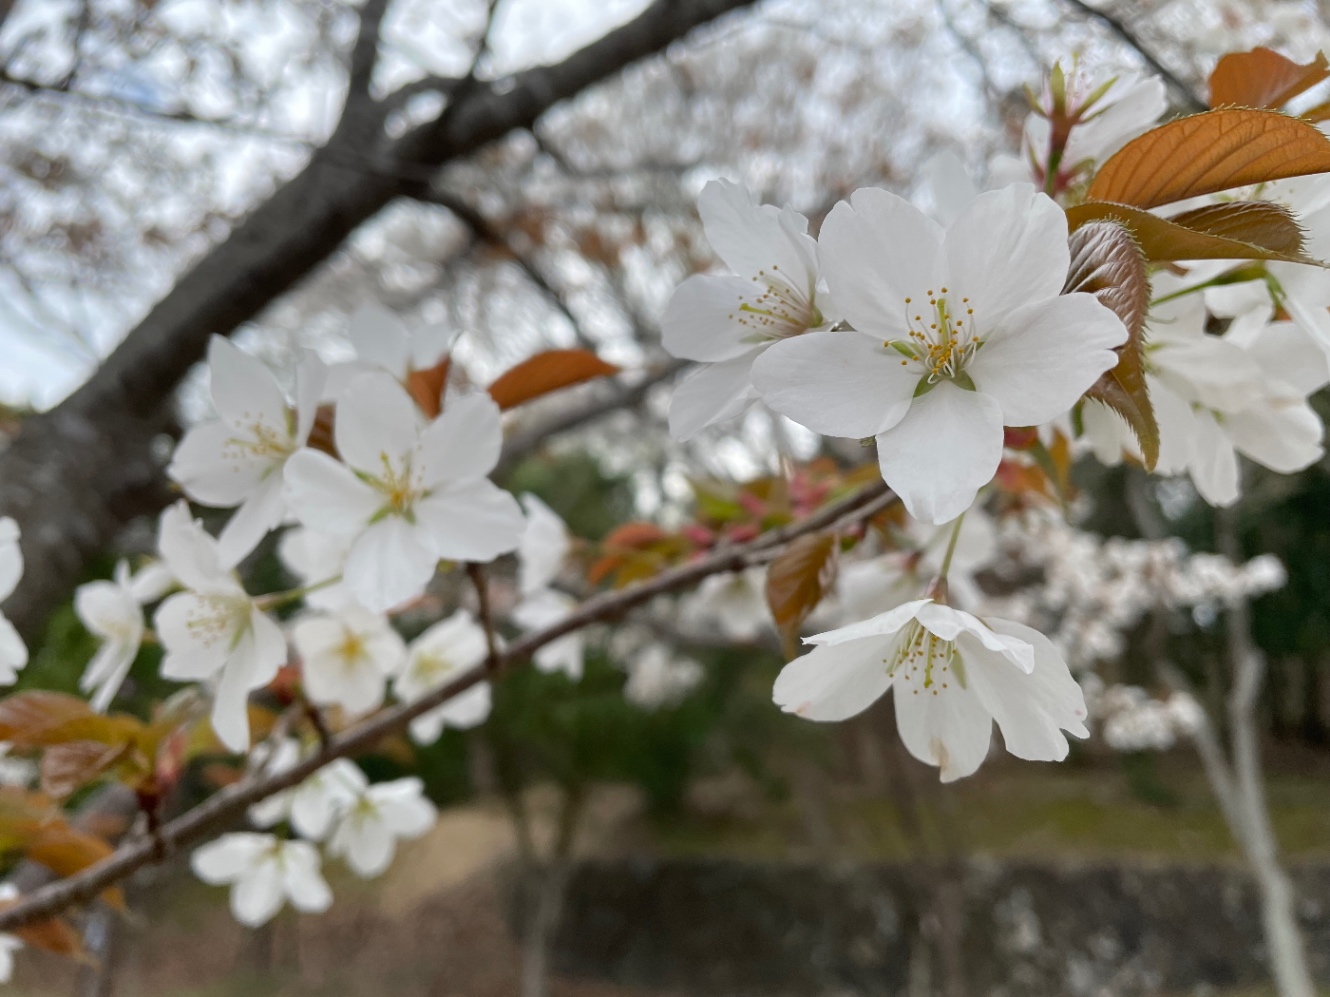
[231, 802]
[365, 53]
[1190, 99]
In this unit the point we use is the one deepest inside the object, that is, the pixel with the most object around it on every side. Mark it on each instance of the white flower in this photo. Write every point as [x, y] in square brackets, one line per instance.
[238, 460]
[214, 629]
[544, 547]
[1215, 397]
[656, 679]
[9, 944]
[384, 342]
[264, 873]
[317, 559]
[15, 771]
[366, 835]
[346, 659]
[727, 321]
[111, 611]
[1113, 112]
[443, 653]
[409, 493]
[952, 676]
[736, 603]
[13, 652]
[960, 332]
[544, 609]
[312, 806]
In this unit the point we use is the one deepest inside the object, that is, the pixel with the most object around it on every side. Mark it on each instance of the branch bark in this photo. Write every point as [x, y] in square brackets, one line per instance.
[227, 805]
[68, 474]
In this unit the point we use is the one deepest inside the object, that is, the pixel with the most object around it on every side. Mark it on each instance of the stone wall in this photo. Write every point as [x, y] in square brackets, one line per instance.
[732, 929]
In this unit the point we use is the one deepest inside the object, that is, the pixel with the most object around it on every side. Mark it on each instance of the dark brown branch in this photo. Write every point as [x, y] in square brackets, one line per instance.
[1189, 98]
[365, 52]
[230, 803]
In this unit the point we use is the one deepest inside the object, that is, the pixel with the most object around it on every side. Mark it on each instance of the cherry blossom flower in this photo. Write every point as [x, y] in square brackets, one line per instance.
[346, 659]
[657, 679]
[384, 342]
[9, 944]
[736, 603]
[725, 322]
[409, 493]
[315, 804]
[1215, 397]
[544, 547]
[13, 652]
[952, 675]
[213, 629]
[317, 559]
[544, 609]
[960, 332]
[442, 654]
[111, 611]
[264, 873]
[366, 835]
[238, 459]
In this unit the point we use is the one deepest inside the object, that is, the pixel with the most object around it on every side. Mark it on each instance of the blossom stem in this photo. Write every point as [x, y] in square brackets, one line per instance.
[951, 545]
[275, 599]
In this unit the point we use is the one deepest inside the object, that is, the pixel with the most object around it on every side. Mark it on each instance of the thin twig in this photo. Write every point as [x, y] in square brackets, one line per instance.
[232, 801]
[476, 572]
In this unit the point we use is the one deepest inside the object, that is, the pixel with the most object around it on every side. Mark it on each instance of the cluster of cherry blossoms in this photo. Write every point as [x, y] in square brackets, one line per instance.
[935, 334]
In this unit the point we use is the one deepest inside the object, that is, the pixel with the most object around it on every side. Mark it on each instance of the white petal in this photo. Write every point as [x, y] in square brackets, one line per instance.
[106, 673]
[1284, 436]
[876, 250]
[229, 857]
[244, 390]
[403, 806]
[190, 553]
[311, 379]
[544, 546]
[381, 339]
[257, 898]
[472, 521]
[1287, 353]
[377, 424]
[712, 393]
[947, 727]
[946, 448]
[13, 652]
[302, 880]
[213, 469]
[326, 495]
[835, 682]
[1177, 427]
[950, 623]
[391, 562]
[197, 633]
[1214, 462]
[703, 320]
[462, 443]
[11, 557]
[567, 654]
[884, 624]
[750, 237]
[1008, 248]
[1045, 355]
[365, 843]
[1031, 710]
[468, 709]
[264, 510]
[836, 383]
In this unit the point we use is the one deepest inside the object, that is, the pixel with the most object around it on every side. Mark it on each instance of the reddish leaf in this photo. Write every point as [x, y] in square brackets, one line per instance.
[1107, 262]
[546, 372]
[426, 387]
[798, 579]
[55, 936]
[66, 851]
[1262, 78]
[1238, 230]
[66, 768]
[38, 718]
[1209, 152]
